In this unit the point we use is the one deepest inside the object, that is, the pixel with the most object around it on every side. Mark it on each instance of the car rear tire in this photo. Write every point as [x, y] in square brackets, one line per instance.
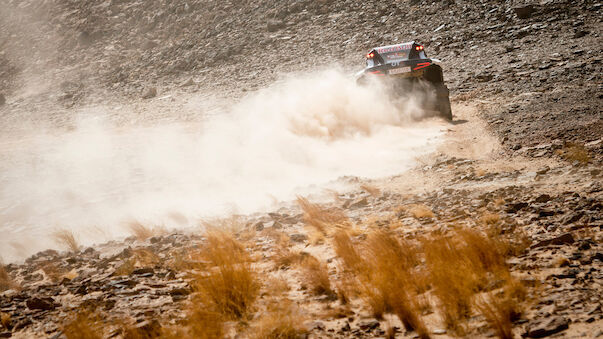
[443, 102]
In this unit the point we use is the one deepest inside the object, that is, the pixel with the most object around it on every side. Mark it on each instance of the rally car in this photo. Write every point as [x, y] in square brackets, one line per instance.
[407, 69]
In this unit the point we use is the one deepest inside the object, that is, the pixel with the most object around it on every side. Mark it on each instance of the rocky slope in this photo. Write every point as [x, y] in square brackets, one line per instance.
[546, 54]
[528, 73]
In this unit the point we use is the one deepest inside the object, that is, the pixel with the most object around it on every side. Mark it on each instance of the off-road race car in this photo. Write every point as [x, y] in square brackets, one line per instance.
[407, 69]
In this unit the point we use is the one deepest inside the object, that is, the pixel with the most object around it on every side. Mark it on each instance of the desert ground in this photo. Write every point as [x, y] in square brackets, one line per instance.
[211, 169]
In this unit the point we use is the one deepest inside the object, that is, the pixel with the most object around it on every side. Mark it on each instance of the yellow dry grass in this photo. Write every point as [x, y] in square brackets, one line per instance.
[460, 265]
[199, 324]
[6, 282]
[53, 272]
[321, 218]
[282, 320]
[489, 218]
[277, 286]
[502, 308]
[574, 152]
[480, 172]
[66, 239]
[140, 231]
[345, 249]
[230, 286]
[403, 277]
[285, 258]
[5, 320]
[420, 211]
[370, 189]
[84, 325]
[233, 224]
[315, 275]
[384, 276]
[316, 237]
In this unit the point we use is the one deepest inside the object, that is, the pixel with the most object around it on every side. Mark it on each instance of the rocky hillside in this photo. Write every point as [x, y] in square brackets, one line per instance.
[522, 222]
[548, 53]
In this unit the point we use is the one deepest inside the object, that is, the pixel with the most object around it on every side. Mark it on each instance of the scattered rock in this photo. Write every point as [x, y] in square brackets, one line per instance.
[543, 198]
[143, 270]
[368, 325]
[298, 237]
[188, 82]
[317, 325]
[274, 25]
[524, 12]
[358, 203]
[572, 217]
[40, 303]
[566, 238]
[516, 207]
[545, 327]
[151, 92]
[259, 226]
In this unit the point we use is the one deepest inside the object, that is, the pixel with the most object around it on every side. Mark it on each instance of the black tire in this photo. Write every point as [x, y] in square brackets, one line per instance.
[443, 102]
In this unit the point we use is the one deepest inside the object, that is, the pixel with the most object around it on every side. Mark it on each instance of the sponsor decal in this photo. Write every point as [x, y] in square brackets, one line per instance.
[394, 48]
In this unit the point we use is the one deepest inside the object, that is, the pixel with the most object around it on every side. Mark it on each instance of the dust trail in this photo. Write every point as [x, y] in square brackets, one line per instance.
[295, 136]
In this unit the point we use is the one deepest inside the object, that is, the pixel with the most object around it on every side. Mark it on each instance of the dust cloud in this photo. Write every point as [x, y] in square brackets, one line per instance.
[295, 137]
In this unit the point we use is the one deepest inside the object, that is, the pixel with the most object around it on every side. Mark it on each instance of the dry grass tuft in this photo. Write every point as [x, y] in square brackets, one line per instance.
[66, 239]
[6, 282]
[575, 152]
[285, 258]
[203, 324]
[510, 242]
[83, 326]
[460, 265]
[420, 211]
[316, 276]
[385, 276]
[345, 249]
[490, 218]
[402, 277]
[5, 320]
[316, 237]
[501, 309]
[321, 218]
[498, 315]
[281, 321]
[140, 231]
[498, 202]
[233, 224]
[370, 189]
[277, 286]
[53, 272]
[392, 275]
[230, 287]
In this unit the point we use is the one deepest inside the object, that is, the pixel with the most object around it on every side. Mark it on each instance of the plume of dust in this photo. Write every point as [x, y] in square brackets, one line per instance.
[289, 139]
